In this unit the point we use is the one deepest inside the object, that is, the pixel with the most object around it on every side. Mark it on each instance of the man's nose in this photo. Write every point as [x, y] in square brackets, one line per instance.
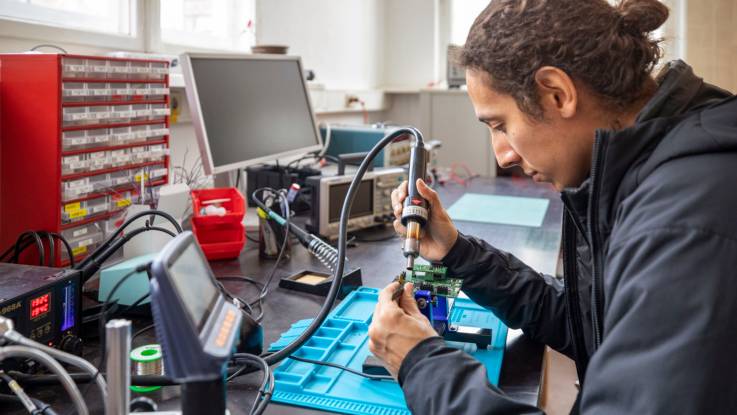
[505, 155]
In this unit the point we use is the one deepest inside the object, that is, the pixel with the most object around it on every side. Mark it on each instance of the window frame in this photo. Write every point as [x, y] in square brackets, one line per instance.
[146, 37]
[157, 43]
[50, 33]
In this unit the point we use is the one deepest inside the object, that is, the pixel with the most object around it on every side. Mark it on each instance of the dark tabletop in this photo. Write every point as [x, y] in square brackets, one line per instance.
[379, 262]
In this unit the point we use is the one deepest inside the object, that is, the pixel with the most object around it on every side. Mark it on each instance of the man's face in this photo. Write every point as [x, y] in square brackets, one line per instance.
[553, 150]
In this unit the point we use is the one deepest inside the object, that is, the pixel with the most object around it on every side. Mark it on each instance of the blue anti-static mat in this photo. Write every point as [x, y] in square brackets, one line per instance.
[342, 339]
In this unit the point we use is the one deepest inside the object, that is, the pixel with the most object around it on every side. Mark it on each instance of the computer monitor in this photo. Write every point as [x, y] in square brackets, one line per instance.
[248, 109]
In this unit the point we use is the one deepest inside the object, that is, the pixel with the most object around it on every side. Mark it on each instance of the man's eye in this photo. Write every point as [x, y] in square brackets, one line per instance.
[500, 128]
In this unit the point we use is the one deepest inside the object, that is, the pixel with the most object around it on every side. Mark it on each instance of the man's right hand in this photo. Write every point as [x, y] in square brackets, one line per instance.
[439, 234]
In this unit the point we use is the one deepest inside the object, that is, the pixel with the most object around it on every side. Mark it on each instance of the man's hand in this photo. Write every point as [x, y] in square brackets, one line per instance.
[397, 327]
[439, 234]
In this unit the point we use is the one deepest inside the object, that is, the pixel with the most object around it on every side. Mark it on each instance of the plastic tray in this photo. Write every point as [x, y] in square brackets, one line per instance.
[235, 206]
[343, 339]
[220, 241]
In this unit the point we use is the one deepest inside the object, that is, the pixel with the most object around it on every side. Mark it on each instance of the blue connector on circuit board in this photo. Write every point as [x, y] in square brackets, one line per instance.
[434, 292]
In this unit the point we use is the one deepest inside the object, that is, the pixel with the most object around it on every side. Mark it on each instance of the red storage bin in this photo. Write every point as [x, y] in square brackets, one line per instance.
[220, 241]
[235, 206]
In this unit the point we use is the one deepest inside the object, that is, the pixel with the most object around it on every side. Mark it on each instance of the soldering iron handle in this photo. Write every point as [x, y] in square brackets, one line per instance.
[415, 206]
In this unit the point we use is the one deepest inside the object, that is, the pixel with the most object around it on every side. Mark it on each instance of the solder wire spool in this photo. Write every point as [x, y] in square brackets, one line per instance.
[147, 360]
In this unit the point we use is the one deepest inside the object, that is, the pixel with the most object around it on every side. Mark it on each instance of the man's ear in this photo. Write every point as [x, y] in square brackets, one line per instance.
[557, 92]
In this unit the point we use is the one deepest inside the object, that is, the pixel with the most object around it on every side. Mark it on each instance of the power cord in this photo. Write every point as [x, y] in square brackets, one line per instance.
[48, 45]
[282, 196]
[267, 384]
[92, 263]
[14, 387]
[42, 408]
[341, 367]
[52, 365]
[342, 239]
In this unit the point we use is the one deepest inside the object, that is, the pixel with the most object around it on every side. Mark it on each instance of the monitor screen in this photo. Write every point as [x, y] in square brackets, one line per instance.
[190, 275]
[363, 204]
[250, 109]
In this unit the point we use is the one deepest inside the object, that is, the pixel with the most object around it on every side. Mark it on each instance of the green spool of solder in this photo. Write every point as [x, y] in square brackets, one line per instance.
[147, 360]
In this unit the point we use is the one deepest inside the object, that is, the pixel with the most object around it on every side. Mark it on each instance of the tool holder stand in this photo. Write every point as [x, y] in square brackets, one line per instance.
[204, 398]
[437, 309]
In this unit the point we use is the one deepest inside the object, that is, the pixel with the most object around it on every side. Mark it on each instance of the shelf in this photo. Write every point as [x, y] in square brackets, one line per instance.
[124, 188]
[112, 148]
[111, 103]
[117, 59]
[76, 176]
[115, 80]
[113, 125]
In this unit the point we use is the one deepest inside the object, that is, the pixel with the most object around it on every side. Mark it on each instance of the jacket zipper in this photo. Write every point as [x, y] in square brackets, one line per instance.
[571, 288]
[597, 301]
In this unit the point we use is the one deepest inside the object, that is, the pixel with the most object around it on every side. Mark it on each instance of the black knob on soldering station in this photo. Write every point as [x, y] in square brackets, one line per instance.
[71, 344]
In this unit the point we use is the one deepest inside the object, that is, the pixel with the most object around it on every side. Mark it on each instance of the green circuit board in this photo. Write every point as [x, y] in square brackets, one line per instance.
[434, 279]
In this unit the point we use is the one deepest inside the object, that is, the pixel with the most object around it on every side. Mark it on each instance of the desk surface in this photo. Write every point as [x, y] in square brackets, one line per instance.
[379, 263]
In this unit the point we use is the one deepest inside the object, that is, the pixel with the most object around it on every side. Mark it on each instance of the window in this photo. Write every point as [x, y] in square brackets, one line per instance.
[462, 15]
[208, 24]
[110, 16]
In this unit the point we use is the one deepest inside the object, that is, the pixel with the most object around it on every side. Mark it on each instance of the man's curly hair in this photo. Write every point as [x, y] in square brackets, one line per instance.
[609, 49]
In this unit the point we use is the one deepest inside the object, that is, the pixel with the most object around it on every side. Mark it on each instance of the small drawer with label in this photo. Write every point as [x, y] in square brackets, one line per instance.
[76, 211]
[84, 244]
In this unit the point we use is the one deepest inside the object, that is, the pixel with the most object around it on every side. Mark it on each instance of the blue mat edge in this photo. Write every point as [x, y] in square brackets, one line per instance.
[496, 353]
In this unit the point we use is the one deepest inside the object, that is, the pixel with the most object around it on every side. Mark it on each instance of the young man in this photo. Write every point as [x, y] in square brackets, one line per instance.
[645, 167]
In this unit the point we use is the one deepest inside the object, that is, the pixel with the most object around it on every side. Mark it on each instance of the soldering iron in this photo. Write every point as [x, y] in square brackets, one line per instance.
[415, 212]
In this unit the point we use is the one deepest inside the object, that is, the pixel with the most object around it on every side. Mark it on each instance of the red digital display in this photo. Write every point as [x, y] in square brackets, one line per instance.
[40, 305]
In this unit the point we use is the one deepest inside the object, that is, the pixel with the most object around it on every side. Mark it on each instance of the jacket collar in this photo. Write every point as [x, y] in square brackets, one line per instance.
[679, 91]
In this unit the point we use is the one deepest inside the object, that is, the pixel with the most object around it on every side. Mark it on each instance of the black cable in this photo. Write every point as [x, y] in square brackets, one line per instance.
[141, 331]
[247, 304]
[267, 384]
[89, 268]
[343, 230]
[134, 304]
[79, 377]
[331, 158]
[127, 223]
[52, 249]
[11, 250]
[39, 246]
[70, 252]
[234, 298]
[341, 367]
[265, 289]
[241, 278]
[388, 237]
[42, 407]
[51, 235]
[48, 45]
[19, 393]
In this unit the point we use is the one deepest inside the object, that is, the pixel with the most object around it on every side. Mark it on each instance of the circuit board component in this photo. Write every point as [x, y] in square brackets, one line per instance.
[434, 279]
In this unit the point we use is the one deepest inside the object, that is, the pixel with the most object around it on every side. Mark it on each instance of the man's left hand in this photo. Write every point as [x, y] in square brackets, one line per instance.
[397, 327]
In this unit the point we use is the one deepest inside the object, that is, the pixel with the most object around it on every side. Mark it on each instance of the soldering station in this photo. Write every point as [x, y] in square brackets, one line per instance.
[139, 277]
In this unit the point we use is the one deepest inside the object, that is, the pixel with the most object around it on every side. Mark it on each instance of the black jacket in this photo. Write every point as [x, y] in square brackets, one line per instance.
[648, 308]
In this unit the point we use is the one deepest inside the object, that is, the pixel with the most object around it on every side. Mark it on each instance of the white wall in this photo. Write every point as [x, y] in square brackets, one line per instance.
[341, 40]
[410, 58]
